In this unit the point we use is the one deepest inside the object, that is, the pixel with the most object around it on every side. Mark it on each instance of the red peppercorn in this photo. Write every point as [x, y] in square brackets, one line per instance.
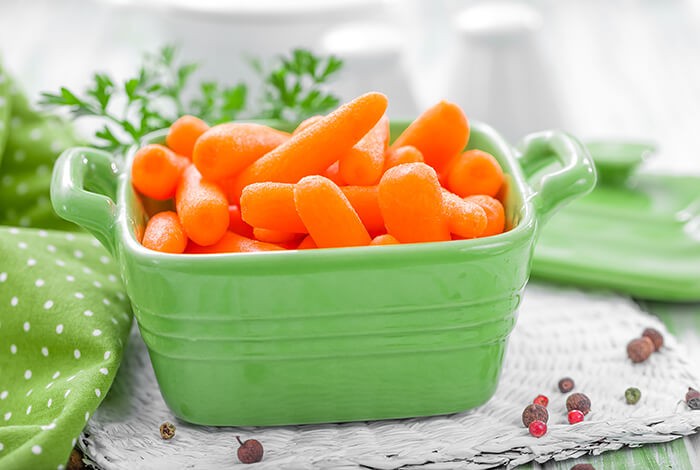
[575, 416]
[538, 428]
[250, 451]
[541, 400]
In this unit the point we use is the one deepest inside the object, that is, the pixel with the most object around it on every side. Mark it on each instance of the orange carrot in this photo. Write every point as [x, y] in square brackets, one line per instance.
[156, 171]
[410, 199]
[366, 203]
[202, 208]
[276, 236]
[475, 172]
[232, 243]
[401, 155]
[225, 150]
[439, 133]
[363, 165]
[305, 124]
[333, 174]
[236, 223]
[464, 218]
[385, 239]
[313, 150]
[271, 206]
[164, 233]
[183, 133]
[327, 214]
[494, 213]
[307, 243]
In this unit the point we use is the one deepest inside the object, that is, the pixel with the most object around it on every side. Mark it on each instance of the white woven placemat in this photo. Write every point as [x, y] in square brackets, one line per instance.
[560, 332]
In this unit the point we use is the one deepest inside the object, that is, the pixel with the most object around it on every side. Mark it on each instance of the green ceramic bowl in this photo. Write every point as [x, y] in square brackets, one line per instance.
[329, 335]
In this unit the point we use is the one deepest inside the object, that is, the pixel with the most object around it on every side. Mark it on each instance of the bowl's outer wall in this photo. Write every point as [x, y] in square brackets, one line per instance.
[329, 335]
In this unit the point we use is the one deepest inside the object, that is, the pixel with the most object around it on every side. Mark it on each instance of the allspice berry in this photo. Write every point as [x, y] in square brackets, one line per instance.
[655, 336]
[167, 431]
[578, 401]
[534, 412]
[566, 385]
[583, 466]
[250, 451]
[692, 399]
[640, 349]
[632, 395]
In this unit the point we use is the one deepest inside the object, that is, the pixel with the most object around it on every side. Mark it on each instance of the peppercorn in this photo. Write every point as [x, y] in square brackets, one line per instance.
[692, 399]
[167, 431]
[537, 428]
[632, 395]
[541, 400]
[640, 349]
[75, 461]
[250, 451]
[575, 416]
[655, 336]
[578, 401]
[566, 385]
[534, 412]
[583, 466]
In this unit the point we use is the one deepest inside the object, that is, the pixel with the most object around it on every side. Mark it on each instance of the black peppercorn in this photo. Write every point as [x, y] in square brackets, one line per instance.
[692, 399]
[534, 412]
[655, 336]
[640, 349]
[250, 451]
[578, 401]
[583, 466]
[566, 385]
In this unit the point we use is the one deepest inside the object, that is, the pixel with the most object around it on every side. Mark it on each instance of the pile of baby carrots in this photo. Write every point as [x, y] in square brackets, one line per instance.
[334, 182]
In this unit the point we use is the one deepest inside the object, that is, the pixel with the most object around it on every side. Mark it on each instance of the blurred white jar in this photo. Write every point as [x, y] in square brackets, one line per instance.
[372, 54]
[498, 73]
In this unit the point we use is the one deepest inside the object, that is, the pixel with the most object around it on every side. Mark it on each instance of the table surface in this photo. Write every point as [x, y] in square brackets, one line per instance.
[627, 69]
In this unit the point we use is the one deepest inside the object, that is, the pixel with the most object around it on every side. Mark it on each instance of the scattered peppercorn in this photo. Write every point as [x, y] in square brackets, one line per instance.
[575, 416]
[75, 461]
[534, 412]
[167, 431]
[541, 400]
[538, 428]
[250, 451]
[655, 336]
[578, 401]
[583, 466]
[632, 395]
[566, 385]
[640, 349]
[692, 399]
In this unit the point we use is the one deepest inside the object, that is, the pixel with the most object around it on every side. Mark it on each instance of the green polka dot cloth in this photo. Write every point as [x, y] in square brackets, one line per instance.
[63, 314]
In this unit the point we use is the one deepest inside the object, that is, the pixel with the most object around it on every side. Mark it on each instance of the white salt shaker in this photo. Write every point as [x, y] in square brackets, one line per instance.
[498, 73]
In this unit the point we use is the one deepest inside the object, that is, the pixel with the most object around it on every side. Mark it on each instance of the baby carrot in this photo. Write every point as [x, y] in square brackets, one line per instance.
[183, 133]
[156, 171]
[385, 239]
[225, 150]
[495, 214]
[164, 233]
[439, 133]
[313, 150]
[305, 124]
[307, 243]
[475, 172]
[401, 155]
[363, 165]
[236, 223]
[366, 203]
[410, 199]
[232, 243]
[333, 174]
[202, 208]
[327, 214]
[271, 206]
[464, 218]
[275, 236]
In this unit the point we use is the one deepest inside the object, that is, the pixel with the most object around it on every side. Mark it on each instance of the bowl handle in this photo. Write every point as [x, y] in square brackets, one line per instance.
[76, 170]
[554, 187]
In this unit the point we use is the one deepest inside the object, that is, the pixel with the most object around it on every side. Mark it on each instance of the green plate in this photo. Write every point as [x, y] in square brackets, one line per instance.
[637, 233]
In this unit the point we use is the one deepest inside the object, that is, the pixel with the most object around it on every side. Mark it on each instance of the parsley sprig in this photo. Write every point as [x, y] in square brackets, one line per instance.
[293, 88]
